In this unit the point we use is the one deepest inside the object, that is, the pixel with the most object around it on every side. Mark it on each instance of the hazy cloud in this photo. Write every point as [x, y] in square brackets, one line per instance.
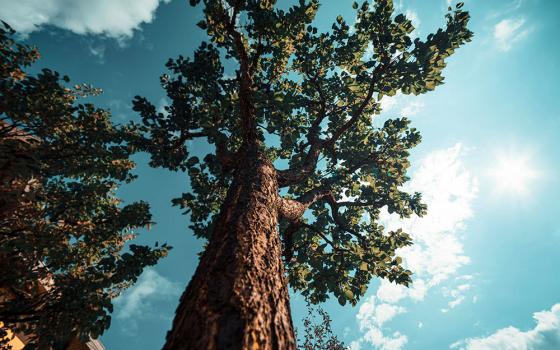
[545, 335]
[404, 105]
[138, 300]
[448, 188]
[413, 17]
[115, 19]
[163, 102]
[510, 31]
[98, 51]
[371, 317]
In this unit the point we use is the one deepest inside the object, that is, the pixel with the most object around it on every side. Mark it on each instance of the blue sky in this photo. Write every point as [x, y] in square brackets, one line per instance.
[486, 255]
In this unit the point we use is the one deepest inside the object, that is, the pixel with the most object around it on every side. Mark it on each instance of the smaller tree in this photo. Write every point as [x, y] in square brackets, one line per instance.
[318, 334]
[63, 231]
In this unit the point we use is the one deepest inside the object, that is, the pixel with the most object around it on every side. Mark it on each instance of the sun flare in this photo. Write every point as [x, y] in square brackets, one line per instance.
[513, 173]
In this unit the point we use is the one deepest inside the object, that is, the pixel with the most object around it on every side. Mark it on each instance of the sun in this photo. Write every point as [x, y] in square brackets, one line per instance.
[513, 173]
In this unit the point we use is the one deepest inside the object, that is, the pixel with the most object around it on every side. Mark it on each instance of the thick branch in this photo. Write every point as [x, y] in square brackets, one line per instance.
[293, 227]
[358, 204]
[292, 209]
[248, 120]
[324, 237]
[296, 175]
[339, 221]
[356, 115]
[293, 176]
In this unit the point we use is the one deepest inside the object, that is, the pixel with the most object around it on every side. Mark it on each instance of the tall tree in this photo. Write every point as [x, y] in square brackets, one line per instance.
[300, 170]
[63, 232]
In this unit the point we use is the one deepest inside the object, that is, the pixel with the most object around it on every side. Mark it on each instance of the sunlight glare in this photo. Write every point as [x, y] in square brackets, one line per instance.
[513, 173]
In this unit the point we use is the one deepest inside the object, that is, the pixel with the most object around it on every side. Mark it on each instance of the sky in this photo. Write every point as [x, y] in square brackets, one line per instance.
[485, 257]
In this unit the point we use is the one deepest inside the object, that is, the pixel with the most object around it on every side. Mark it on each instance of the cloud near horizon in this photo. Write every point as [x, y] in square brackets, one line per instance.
[544, 336]
[114, 19]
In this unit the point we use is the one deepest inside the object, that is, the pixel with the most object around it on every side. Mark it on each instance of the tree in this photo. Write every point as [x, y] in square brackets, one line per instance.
[63, 231]
[299, 171]
[318, 334]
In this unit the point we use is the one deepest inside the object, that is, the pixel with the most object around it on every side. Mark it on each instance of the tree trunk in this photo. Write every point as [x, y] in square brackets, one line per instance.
[238, 297]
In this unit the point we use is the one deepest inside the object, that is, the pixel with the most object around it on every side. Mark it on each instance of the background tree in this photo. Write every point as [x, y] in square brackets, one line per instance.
[63, 231]
[297, 158]
[318, 333]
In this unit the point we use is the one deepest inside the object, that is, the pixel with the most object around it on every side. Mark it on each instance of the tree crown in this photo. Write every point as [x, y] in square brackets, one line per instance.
[308, 100]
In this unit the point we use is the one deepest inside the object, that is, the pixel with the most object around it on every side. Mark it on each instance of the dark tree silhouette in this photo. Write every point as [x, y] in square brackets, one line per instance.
[63, 231]
[318, 333]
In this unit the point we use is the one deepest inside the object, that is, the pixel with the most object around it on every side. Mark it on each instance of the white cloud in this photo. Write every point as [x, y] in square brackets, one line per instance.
[355, 345]
[412, 108]
[115, 19]
[373, 313]
[393, 293]
[448, 189]
[98, 51]
[395, 341]
[413, 17]
[510, 31]
[456, 294]
[389, 102]
[119, 108]
[137, 300]
[455, 302]
[371, 318]
[545, 335]
[163, 102]
[407, 106]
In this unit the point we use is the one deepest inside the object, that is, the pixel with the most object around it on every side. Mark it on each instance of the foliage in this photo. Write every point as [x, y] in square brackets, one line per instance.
[310, 99]
[63, 231]
[318, 334]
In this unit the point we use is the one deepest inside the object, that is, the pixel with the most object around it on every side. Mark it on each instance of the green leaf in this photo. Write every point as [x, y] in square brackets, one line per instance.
[348, 293]
[202, 25]
[193, 161]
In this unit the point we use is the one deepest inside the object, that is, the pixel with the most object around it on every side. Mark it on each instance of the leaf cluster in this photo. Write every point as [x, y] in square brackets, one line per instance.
[318, 333]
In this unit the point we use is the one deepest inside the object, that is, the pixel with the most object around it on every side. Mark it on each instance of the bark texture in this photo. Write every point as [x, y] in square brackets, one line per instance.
[238, 297]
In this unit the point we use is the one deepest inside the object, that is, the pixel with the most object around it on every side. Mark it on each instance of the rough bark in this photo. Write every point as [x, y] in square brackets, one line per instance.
[238, 297]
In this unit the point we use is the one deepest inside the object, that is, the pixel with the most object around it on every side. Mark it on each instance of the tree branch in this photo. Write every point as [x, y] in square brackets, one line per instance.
[331, 201]
[295, 175]
[248, 120]
[292, 176]
[293, 209]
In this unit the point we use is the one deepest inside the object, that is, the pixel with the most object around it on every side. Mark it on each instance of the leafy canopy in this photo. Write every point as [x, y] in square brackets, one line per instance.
[311, 97]
[63, 231]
